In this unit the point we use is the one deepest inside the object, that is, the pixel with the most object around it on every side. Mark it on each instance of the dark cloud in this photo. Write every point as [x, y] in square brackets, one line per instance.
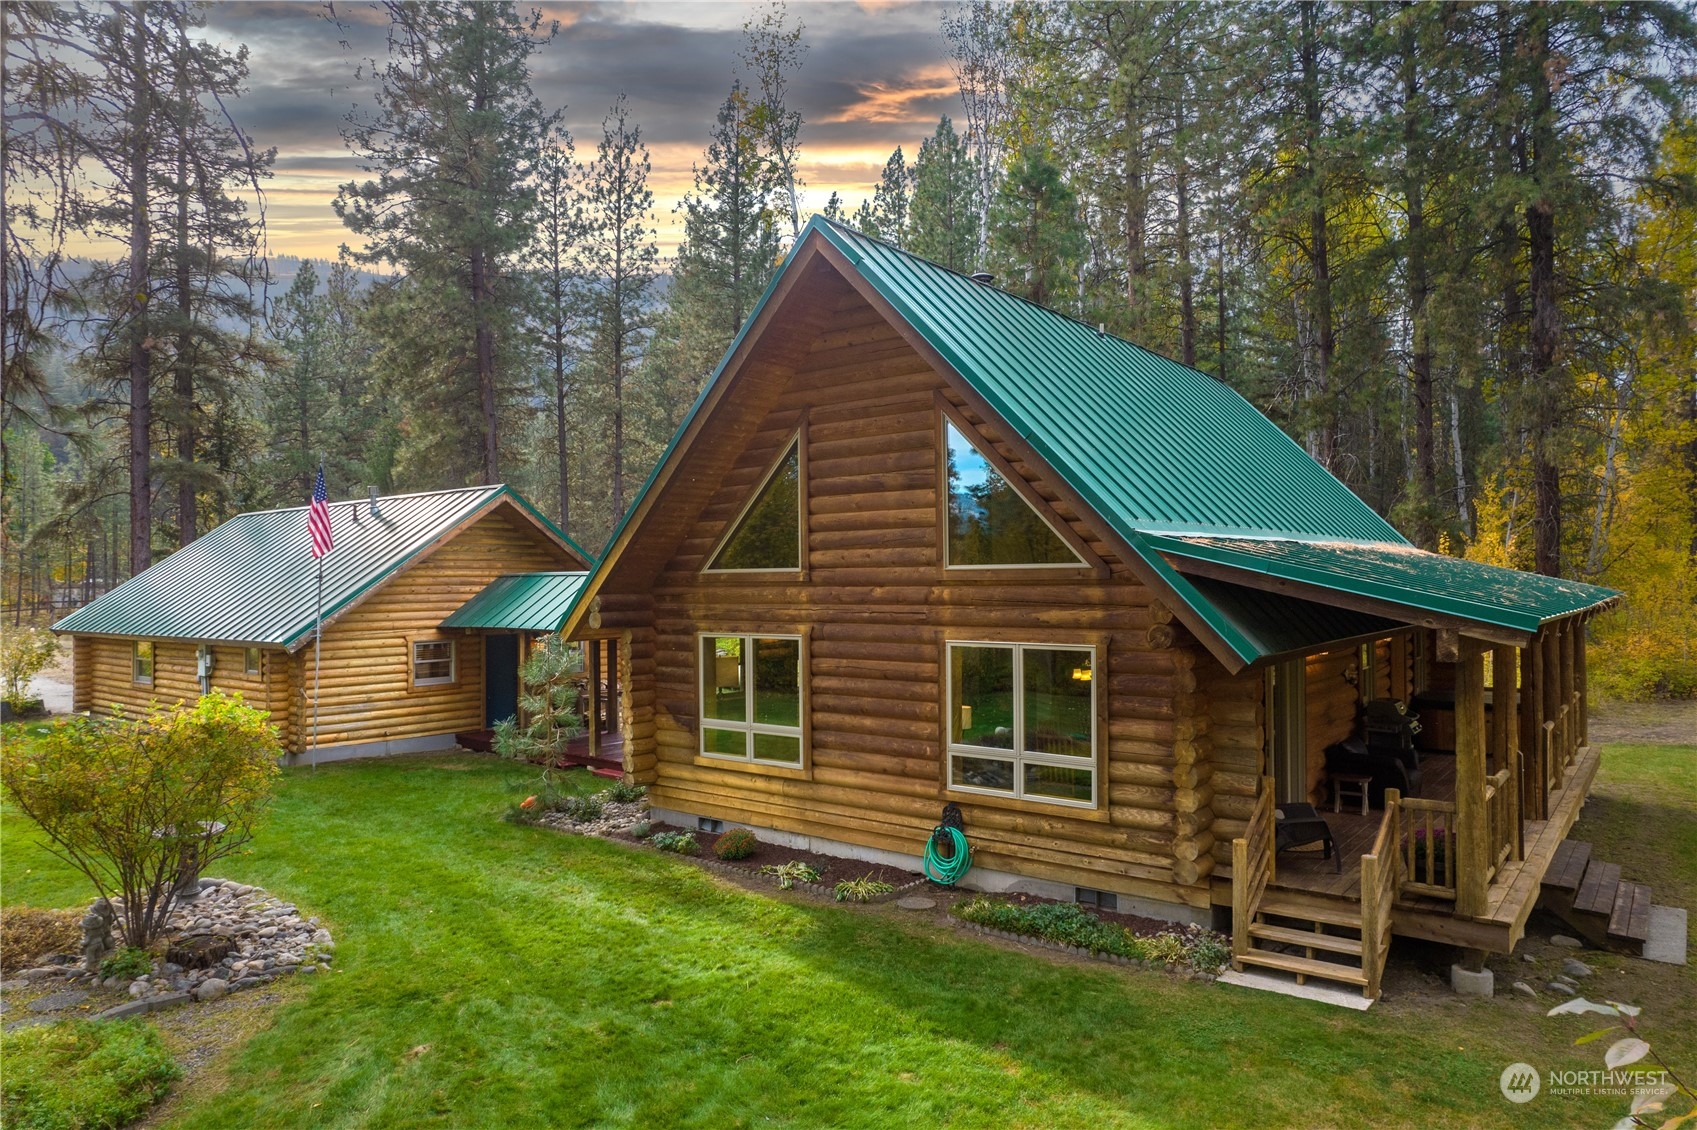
[874, 76]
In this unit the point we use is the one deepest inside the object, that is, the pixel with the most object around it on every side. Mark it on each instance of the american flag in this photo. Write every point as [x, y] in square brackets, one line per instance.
[318, 517]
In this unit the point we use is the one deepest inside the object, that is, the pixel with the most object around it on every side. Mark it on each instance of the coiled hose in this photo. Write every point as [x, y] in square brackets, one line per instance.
[947, 870]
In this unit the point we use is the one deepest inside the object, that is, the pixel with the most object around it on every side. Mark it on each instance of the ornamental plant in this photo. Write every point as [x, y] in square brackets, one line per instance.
[24, 653]
[132, 803]
[738, 843]
[549, 706]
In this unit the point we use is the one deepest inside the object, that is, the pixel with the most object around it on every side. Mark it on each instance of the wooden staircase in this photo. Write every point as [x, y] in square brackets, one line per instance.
[1592, 898]
[1308, 935]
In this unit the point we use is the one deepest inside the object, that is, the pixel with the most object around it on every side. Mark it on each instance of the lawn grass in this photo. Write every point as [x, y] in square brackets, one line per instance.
[78, 1074]
[492, 974]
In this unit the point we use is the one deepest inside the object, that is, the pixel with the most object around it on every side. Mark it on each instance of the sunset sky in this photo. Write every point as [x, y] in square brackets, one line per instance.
[876, 75]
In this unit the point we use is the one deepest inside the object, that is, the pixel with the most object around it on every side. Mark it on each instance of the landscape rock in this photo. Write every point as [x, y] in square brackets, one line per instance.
[1561, 989]
[1573, 967]
[211, 989]
[1525, 990]
[53, 1002]
[1528, 958]
[1566, 942]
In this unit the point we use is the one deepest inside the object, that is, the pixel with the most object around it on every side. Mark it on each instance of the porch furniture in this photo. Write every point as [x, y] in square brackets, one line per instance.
[1387, 770]
[1297, 824]
[1353, 785]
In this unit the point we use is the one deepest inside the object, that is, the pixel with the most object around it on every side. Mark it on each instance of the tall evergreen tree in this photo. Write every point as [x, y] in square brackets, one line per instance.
[620, 264]
[455, 130]
[555, 261]
[943, 216]
[1036, 240]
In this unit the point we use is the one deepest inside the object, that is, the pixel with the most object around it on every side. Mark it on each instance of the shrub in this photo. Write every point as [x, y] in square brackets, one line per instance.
[864, 889]
[1071, 925]
[642, 829]
[24, 653]
[738, 843]
[27, 932]
[683, 843]
[130, 804]
[791, 873]
[622, 792]
[582, 809]
[128, 963]
[83, 1074]
[551, 711]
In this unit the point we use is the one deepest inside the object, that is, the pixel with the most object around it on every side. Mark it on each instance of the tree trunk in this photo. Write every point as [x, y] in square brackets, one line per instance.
[186, 439]
[1319, 257]
[1186, 294]
[480, 303]
[560, 437]
[1419, 291]
[141, 399]
[1546, 315]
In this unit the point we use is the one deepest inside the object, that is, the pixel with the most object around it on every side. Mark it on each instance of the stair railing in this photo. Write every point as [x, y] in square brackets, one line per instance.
[1252, 870]
[1427, 839]
[1381, 879]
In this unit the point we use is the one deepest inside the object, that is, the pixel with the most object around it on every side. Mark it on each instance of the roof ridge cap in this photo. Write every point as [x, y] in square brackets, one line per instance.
[380, 498]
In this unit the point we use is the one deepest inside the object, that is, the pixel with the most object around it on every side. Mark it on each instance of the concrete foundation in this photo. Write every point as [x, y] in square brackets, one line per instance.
[1468, 983]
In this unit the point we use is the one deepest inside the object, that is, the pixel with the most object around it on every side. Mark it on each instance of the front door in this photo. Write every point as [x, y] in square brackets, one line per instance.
[500, 678]
[1287, 739]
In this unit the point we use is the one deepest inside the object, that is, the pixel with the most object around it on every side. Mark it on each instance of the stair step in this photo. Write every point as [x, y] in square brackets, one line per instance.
[1567, 866]
[1306, 966]
[1629, 920]
[1283, 934]
[1597, 890]
[1286, 905]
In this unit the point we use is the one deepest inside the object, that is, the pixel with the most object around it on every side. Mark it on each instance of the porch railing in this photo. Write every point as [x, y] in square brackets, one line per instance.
[1381, 879]
[1501, 824]
[1252, 869]
[1426, 834]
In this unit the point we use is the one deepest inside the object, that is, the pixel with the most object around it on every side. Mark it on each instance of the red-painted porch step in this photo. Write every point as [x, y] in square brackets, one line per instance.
[610, 774]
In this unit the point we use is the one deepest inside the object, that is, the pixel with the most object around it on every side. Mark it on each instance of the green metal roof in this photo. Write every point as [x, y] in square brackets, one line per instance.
[1158, 450]
[521, 602]
[1399, 574]
[253, 580]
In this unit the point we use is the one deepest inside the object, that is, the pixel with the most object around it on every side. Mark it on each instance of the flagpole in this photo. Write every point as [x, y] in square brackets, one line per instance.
[317, 652]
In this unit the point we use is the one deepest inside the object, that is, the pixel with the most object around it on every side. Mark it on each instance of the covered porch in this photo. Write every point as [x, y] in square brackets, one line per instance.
[1461, 825]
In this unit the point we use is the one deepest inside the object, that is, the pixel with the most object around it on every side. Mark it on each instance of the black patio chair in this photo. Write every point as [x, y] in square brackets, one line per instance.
[1297, 824]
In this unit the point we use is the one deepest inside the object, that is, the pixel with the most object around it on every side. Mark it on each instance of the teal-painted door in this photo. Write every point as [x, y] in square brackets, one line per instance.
[500, 678]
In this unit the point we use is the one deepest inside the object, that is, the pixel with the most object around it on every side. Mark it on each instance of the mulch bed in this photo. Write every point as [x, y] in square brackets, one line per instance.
[832, 869]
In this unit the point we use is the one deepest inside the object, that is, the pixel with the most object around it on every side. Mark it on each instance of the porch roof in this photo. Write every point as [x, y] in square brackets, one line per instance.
[1388, 579]
[521, 602]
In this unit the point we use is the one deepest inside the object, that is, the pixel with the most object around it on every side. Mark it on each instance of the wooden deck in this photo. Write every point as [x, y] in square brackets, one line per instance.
[1510, 898]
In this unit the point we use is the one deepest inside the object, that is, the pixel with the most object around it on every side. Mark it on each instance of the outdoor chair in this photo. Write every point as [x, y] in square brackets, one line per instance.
[1297, 824]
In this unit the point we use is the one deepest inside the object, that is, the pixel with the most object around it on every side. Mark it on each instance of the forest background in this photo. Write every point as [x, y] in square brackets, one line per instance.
[1451, 249]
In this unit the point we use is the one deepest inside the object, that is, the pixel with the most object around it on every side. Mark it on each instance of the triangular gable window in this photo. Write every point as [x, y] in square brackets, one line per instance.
[990, 523]
[768, 536]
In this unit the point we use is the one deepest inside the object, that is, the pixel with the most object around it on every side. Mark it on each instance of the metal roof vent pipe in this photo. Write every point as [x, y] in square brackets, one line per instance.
[984, 277]
[373, 497]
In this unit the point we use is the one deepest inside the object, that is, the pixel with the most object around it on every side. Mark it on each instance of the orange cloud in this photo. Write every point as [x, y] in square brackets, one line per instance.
[897, 101]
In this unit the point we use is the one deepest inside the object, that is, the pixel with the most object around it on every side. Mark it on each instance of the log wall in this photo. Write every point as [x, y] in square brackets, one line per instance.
[876, 606]
[366, 683]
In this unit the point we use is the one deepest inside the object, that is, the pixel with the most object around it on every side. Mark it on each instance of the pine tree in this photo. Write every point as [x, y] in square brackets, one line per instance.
[452, 140]
[890, 199]
[554, 259]
[620, 264]
[943, 215]
[1035, 237]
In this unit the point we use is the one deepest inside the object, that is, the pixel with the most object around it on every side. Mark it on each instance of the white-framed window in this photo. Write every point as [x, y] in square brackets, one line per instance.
[141, 662]
[250, 660]
[432, 662]
[751, 698]
[1022, 721]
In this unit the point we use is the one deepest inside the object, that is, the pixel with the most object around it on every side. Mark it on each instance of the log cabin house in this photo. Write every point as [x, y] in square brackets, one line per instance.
[236, 609]
[922, 542]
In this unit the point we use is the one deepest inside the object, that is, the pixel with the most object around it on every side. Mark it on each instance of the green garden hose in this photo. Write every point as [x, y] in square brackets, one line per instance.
[947, 870]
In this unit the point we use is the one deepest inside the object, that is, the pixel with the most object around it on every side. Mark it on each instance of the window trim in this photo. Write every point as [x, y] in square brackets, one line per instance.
[257, 656]
[797, 442]
[800, 731]
[948, 414]
[453, 661]
[1018, 756]
[136, 677]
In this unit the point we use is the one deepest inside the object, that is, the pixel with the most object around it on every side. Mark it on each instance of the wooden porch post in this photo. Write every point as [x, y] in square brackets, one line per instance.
[1579, 682]
[1505, 735]
[1570, 705]
[1551, 678]
[1472, 817]
[1533, 781]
